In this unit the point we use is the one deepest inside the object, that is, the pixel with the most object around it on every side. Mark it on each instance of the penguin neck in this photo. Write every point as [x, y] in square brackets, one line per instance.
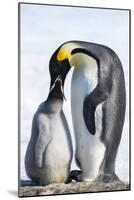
[83, 63]
[54, 105]
[85, 74]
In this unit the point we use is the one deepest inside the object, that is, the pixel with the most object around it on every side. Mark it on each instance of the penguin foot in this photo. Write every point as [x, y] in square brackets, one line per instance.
[75, 175]
[107, 178]
[69, 180]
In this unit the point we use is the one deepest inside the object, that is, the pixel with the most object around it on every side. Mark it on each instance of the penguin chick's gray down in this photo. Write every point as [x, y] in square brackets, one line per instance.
[49, 153]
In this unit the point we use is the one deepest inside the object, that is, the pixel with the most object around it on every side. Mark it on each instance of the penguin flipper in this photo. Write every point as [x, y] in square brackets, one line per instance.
[41, 143]
[89, 116]
[91, 101]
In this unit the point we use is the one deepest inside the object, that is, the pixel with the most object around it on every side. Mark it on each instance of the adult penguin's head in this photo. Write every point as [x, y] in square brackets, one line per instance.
[62, 60]
[58, 67]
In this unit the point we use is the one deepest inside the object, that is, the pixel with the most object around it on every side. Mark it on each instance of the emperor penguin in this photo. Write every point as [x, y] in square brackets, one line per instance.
[49, 152]
[98, 101]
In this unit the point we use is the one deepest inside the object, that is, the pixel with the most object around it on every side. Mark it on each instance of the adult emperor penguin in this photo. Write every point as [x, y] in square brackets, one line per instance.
[49, 153]
[98, 101]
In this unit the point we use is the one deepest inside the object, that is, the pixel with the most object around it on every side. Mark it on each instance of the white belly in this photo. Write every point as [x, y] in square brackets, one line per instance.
[89, 149]
[58, 150]
[58, 154]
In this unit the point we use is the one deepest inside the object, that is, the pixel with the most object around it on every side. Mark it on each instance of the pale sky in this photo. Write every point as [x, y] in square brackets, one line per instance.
[43, 29]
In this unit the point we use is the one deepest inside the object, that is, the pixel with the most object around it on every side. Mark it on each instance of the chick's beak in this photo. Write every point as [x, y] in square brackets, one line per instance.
[58, 79]
[62, 90]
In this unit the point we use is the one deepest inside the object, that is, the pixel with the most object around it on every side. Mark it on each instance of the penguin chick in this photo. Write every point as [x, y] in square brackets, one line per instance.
[49, 152]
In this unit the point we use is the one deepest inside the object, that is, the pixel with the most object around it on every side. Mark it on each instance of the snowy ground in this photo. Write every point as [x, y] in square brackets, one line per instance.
[43, 29]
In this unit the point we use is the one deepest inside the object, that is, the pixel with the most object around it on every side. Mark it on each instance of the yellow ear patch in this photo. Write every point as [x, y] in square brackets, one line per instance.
[63, 54]
[65, 51]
